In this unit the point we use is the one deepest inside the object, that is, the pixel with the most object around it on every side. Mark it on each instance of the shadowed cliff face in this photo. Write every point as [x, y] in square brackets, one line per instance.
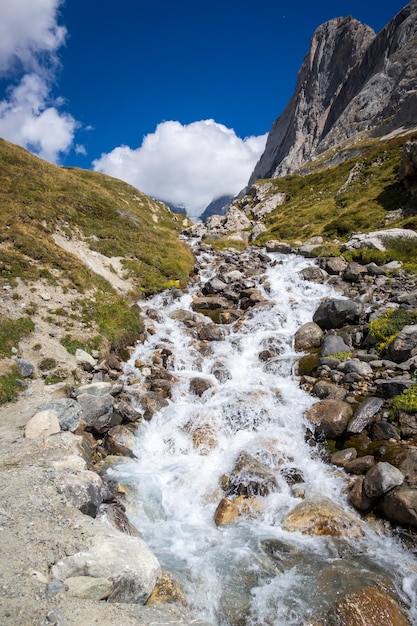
[351, 81]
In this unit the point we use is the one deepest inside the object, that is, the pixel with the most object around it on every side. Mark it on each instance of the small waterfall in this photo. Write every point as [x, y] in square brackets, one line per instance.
[251, 571]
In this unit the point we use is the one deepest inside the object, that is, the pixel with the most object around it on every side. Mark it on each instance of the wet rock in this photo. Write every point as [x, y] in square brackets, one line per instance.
[331, 416]
[313, 274]
[308, 337]
[382, 478]
[89, 588]
[189, 319]
[404, 346]
[127, 412]
[210, 303]
[151, 403]
[335, 313]
[221, 372]
[371, 606]
[214, 286]
[321, 516]
[199, 385]
[364, 414]
[115, 517]
[210, 332]
[127, 561]
[227, 511]
[251, 477]
[42, 424]
[121, 440]
[167, 590]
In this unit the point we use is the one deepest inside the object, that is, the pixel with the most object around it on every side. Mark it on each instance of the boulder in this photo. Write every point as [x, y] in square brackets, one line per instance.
[152, 402]
[199, 385]
[121, 441]
[331, 417]
[335, 265]
[371, 606]
[85, 360]
[364, 414]
[82, 490]
[400, 506]
[127, 561]
[333, 344]
[42, 424]
[210, 332]
[26, 369]
[227, 511]
[308, 337]
[375, 239]
[89, 588]
[404, 346]
[251, 477]
[391, 387]
[358, 497]
[321, 516]
[381, 478]
[166, 590]
[69, 413]
[115, 517]
[335, 313]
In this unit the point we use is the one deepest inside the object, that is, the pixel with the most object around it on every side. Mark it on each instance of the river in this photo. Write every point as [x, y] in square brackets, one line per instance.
[251, 571]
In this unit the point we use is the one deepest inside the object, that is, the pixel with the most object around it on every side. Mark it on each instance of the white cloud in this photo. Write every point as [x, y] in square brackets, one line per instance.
[29, 39]
[187, 165]
[28, 28]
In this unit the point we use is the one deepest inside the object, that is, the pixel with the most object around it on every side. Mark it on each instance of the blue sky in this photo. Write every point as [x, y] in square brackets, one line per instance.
[174, 97]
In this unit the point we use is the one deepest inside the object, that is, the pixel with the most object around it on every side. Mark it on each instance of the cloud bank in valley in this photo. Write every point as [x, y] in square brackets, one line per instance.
[187, 165]
[30, 37]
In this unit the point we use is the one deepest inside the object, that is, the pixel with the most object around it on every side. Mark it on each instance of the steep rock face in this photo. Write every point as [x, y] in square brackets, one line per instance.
[351, 81]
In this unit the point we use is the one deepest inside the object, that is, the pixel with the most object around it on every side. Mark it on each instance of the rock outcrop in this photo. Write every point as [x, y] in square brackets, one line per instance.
[351, 81]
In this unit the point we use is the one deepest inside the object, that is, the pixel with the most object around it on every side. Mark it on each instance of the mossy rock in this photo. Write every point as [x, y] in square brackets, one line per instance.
[307, 364]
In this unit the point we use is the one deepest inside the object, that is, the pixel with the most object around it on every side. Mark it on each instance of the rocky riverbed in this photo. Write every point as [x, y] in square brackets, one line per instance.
[70, 553]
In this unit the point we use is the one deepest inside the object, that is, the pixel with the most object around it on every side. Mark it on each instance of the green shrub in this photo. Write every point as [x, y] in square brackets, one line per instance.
[384, 329]
[9, 386]
[406, 401]
[11, 332]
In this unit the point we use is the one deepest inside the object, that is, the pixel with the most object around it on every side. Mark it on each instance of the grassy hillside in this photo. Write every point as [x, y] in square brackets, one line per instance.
[39, 200]
[360, 194]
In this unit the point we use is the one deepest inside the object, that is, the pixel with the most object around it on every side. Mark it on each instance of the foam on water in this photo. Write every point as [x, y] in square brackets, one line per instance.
[227, 572]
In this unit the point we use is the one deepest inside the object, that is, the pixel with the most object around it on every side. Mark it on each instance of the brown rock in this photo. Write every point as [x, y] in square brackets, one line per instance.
[321, 516]
[372, 606]
[167, 590]
[331, 416]
[307, 337]
[226, 512]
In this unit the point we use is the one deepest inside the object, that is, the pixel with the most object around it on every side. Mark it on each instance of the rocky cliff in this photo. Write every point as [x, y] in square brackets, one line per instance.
[352, 81]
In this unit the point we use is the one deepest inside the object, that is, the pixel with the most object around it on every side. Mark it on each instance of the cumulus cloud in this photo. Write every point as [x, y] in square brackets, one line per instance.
[29, 39]
[188, 165]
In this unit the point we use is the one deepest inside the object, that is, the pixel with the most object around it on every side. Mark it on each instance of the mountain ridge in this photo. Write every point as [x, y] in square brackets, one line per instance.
[352, 81]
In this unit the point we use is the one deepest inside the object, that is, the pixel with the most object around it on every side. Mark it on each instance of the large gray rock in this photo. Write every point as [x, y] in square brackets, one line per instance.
[376, 240]
[335, 313]
[83, 490]
[404, 346]
[381, 478]
[333, 344]
[125, 560]
[68, 411]
[364, 414]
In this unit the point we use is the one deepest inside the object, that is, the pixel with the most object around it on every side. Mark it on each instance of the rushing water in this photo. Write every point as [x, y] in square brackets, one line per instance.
[251, 571]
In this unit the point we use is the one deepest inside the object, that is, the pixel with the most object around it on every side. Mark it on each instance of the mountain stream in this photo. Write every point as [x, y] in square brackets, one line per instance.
[251, 571]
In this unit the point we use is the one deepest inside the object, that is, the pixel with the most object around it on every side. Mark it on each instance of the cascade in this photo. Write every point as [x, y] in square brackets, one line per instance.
[253, 570]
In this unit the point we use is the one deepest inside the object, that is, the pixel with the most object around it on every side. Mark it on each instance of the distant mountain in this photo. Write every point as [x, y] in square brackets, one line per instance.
[352, 83]
[175, 208]
[217, 207]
